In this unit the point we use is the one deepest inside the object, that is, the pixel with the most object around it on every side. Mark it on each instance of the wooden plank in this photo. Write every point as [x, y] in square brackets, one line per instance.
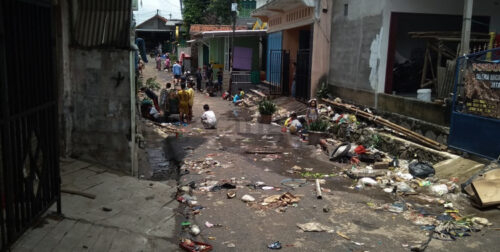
[424, 68]
[262, 95]
[75, 192]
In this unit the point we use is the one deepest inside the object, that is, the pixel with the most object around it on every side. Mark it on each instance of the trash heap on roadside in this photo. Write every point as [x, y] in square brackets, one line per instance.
[436, 206]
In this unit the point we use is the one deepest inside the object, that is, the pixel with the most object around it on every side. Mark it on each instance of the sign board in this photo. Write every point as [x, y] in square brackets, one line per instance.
[482, 89]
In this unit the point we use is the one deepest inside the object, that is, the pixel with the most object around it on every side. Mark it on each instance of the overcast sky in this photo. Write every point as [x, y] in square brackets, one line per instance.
[148, 9]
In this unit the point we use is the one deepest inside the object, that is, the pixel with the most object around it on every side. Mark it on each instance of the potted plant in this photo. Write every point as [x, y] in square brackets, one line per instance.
[316, 131]
[266, 110]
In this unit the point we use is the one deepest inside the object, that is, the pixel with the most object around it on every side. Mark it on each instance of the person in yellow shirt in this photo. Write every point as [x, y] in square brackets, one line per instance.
[183, 103]
[190, 92]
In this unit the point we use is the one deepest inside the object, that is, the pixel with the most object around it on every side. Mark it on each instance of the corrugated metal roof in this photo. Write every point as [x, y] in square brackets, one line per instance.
[100, 23]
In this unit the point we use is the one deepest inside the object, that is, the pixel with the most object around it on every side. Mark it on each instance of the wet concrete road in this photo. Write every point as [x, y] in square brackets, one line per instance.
[251, 226]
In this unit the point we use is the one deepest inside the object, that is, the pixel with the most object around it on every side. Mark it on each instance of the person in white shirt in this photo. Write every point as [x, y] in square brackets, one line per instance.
[208, 118]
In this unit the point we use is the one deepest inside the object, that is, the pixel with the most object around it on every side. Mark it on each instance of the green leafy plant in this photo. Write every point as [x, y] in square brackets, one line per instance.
[151, 83]
[267, 107]
[322, 91]
[319, 125]
[375, 141]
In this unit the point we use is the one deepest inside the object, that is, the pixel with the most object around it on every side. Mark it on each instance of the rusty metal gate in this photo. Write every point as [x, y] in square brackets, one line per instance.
[29, 164]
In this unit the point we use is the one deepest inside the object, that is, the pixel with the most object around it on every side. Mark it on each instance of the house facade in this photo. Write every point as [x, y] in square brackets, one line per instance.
[298, 44]
[383, 51]
[158, 30]
[214, 48]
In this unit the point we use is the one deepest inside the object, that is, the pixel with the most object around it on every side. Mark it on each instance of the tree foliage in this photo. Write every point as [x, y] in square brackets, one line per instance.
[207, 12]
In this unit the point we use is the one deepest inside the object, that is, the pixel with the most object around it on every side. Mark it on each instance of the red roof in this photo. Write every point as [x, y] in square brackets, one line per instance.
[197, 28]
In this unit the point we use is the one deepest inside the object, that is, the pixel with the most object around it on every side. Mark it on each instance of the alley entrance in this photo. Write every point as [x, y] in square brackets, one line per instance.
[29, 167]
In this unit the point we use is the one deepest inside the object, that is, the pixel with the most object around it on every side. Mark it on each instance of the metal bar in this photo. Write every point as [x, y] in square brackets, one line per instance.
[4, 129]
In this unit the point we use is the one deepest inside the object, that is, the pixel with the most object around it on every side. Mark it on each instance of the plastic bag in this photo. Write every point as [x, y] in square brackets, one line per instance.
[421, 169]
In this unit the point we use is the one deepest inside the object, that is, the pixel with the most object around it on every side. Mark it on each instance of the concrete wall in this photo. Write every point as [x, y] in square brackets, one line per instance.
[102, 110]
[355, 44]
[96, 119]
[321, 47]
[291, 43]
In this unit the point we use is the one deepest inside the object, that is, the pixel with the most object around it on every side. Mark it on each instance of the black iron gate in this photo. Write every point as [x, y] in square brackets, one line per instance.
[279, 72]
[29, 164]
[303, 75]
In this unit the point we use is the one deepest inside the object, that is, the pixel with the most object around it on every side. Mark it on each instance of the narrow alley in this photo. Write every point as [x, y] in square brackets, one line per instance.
[249, 125]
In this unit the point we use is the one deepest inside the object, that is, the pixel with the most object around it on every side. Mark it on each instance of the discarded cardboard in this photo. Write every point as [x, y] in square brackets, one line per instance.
[487, 191]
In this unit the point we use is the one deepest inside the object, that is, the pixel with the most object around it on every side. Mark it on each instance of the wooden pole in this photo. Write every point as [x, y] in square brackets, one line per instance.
[410, 134]
[424, 68]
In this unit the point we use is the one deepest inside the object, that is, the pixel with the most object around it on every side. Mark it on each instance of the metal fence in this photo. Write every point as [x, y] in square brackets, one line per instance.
[475, 117]
[29, 163]
[241, 79]
[303, 75]
[279, 72]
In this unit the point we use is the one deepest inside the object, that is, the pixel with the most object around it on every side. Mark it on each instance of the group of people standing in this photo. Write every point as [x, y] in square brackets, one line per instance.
[171, 101]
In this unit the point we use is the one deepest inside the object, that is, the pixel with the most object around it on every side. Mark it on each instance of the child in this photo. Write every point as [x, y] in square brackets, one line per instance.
[208, 118]
[312, 111]
[237, 99]
[294, 124]
[167, 64]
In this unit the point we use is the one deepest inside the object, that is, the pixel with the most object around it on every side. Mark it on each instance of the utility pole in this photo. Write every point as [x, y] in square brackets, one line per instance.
[466, 27]
[234, 8]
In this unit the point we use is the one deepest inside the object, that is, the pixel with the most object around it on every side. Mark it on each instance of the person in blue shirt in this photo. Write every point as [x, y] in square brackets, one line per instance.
[177, 71]
[237, 99]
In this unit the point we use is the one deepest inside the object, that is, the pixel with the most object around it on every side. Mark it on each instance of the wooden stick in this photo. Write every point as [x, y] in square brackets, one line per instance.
[262, 152]
[318, 190]
[83, 194]
[412, 135]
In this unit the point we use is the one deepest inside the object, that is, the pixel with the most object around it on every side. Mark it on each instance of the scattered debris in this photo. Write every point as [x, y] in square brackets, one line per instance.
[195, 230]
[194, 246]
[318, 190]
[281, 200]
[412, 135]
[314, 227]
[343, 235]
[231, 194]
[274, 245]
[421, 169]
[247, 198]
